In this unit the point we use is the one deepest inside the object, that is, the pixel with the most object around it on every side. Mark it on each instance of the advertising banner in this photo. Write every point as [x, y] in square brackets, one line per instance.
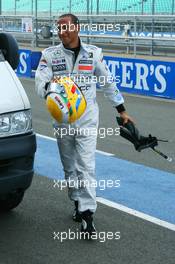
[24, 67]
[145, 77]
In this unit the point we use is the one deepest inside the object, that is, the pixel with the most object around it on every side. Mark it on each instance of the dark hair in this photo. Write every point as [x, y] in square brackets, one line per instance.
[74, 18]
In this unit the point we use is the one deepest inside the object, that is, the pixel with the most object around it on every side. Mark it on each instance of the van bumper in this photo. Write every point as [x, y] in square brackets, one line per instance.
[16, 162]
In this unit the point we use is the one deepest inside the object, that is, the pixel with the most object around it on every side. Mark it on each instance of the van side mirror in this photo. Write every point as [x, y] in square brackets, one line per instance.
[9, 48]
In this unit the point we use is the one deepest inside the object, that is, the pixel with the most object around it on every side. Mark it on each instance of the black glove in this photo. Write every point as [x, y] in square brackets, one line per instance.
[131, 133]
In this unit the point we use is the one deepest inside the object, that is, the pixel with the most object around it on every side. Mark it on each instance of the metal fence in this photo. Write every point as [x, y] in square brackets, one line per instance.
[149, 35]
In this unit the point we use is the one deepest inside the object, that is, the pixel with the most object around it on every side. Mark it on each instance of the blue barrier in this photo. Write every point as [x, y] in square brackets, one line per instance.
[36, 55]
[138, 76]
[24, 68]
[145, 77]
[28, 62]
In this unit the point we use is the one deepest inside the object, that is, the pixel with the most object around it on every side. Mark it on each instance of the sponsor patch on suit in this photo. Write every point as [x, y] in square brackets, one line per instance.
[82, 67]
[59, 67]
[85, 61]
[58, 61]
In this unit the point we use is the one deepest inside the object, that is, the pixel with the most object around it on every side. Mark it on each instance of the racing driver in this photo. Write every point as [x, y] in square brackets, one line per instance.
[83, 63]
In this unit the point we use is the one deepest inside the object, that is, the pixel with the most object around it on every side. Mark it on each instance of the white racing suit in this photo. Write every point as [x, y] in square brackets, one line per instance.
[77, 150]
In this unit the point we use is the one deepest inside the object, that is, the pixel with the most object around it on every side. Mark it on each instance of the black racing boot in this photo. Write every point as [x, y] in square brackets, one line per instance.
[87, 225]
[76, 214]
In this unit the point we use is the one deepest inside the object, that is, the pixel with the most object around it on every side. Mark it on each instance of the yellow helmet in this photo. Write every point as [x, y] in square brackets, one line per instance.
[65, 101]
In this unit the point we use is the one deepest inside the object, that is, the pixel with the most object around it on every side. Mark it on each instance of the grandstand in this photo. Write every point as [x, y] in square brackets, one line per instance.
[55, 7]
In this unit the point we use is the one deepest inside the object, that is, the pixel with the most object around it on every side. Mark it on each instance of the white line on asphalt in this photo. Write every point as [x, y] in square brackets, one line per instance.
[46, 137]
[104, 153]
[98, 151]
[138, 214]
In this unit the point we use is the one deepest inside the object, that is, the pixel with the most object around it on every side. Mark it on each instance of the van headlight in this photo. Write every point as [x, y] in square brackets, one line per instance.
[15, 123]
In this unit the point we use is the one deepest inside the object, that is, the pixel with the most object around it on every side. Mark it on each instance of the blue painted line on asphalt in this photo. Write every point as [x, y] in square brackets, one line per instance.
[144, 189]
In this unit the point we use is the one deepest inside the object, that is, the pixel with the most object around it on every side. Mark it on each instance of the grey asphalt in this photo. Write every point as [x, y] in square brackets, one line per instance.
[27, 233]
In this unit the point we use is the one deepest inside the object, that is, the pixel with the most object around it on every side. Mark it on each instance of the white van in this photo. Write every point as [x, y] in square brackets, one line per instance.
[17, 139]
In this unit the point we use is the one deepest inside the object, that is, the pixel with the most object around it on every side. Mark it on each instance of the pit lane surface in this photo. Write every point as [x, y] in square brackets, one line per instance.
[27, 234]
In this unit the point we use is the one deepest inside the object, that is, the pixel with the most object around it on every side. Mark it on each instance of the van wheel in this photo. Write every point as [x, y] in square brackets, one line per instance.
[9, 48]
[11, 201]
